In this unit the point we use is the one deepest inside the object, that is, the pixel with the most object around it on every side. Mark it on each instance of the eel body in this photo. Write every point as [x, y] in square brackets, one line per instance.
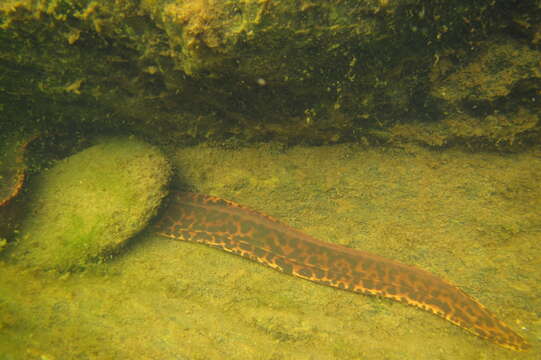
[239, 230]
[13, 170]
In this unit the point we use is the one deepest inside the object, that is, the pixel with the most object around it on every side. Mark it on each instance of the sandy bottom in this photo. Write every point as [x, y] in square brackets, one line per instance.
[473, 219]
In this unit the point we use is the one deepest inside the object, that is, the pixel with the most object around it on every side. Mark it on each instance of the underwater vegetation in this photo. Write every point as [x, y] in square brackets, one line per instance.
[436, 73]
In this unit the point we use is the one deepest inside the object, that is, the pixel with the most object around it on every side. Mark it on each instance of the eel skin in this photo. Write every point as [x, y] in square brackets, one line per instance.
[242, 231]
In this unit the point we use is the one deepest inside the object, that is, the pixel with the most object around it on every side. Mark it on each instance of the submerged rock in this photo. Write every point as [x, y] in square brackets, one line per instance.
[88, 205]
[295, 72]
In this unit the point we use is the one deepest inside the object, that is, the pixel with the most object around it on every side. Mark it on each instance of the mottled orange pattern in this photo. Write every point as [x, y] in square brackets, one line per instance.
[237, 229]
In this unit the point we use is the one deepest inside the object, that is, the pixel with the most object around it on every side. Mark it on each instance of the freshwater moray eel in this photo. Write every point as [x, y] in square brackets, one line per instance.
[242, 231]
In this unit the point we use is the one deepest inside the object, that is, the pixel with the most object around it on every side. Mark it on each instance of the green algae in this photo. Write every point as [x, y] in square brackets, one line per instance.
[296, 72]
[192, 71]
[88, 205]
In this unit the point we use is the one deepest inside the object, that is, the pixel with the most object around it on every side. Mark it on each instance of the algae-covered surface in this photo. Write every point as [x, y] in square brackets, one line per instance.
[378, 77]
[320, 72]
[88, 205]
[470, 218]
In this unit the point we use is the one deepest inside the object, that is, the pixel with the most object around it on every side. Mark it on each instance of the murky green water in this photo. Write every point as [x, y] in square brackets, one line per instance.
[470, 218]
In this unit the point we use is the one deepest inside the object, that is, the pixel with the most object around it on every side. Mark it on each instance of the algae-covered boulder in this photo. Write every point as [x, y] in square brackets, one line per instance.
[88, 205]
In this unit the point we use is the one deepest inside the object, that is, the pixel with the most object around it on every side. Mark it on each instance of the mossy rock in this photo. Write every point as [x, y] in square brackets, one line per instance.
[88, 205]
